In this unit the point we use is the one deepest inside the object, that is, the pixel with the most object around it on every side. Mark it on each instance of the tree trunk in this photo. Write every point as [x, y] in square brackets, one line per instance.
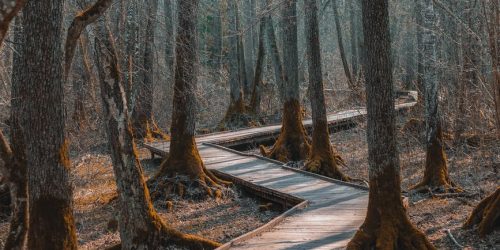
[236, 113]
[354, 37]
[16, 174]
[486, 215]
[140, 225]
[387, 225]
[436, 167]
[242, 61]
[275, 57]
[350, 81]
[255, 100]
[420, 48]
[292, 143]
[183, 167]
[43, 123]
[143, 109]
[249, 35]
[322, 158]
[169, 52]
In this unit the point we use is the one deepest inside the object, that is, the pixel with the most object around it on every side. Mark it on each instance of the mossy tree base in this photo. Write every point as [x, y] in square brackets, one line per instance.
[389, 232]
[185, 175]
[154, 132]
[436, 177]
[237, 116]
[293, 143]
[486, 215]
[326, 164]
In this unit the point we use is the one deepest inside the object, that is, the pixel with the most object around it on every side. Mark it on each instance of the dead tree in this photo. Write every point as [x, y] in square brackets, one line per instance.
[184, 167]
[292, 143]
[436, 167]
[322, 159]
[386, 225]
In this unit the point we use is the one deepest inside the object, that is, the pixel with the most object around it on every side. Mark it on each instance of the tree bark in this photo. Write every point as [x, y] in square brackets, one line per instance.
[387, 225]
[143, 108]
[354, 39]
[16, 171]
[292, 143]
[43, 122]
[436, 166]
[486, 215]
[420, 67]
[183, 167]
[140, 225]
[273, 51]
[322, 158]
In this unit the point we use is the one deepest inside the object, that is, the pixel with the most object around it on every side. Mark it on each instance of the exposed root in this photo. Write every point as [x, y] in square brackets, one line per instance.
[184, 175]
[486, 215]
[327, 164]
[389, 232]
[293, 143]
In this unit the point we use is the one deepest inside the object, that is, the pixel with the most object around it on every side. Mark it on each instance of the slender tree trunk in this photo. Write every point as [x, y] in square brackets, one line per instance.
[350, 81]
[292, 143]
[143, 109]
[236, 113]
[322, 159]
[420, 48]
[354, 37]
[140, 225]
[436, 166]
[249, 39]
[255, 100]
[17, 161]
[42, 120]
[242, 61]
[387, 225]
[170, 40]
[275, 57]
[184, 162]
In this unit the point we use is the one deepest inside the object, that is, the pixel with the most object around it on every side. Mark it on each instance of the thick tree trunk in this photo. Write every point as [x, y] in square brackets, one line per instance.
[322, 159]
[140, 225]
[255, 100]
[143, 109]
[293, 143]
[184, 167]
[436, 166]
[486, 215]
[43, 123]
[386, 225]
[350, 81]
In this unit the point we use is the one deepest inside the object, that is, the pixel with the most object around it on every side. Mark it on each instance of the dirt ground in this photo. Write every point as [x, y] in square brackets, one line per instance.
[95, 215]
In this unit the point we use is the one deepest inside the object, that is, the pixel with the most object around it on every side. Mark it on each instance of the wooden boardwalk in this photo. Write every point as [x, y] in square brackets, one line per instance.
[335, 209]
[337, 120]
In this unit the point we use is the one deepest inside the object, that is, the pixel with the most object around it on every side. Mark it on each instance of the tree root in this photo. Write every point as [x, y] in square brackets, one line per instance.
[486, 215]
[389, 233]
[326, 164]
[154, 132]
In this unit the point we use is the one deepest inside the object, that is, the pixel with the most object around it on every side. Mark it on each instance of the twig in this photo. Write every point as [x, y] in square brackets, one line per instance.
[454, 195]
[448, 232]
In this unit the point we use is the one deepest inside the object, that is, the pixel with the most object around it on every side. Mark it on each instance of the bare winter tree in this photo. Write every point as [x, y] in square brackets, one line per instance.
[387, 225]
[322, 159]
[292, 143]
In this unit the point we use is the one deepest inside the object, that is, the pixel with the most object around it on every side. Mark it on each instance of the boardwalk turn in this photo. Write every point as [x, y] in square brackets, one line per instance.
[334, 213]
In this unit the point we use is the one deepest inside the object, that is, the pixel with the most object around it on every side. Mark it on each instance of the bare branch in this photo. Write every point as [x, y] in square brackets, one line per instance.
[77, 26]
[8, 10]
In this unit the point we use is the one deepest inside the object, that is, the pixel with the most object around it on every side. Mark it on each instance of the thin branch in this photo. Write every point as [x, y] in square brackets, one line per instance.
[77, 26]
[5, 150]
[8, 10]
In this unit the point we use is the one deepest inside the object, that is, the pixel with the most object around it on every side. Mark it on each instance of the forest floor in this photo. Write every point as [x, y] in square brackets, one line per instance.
[474, 168]
[95, 214]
